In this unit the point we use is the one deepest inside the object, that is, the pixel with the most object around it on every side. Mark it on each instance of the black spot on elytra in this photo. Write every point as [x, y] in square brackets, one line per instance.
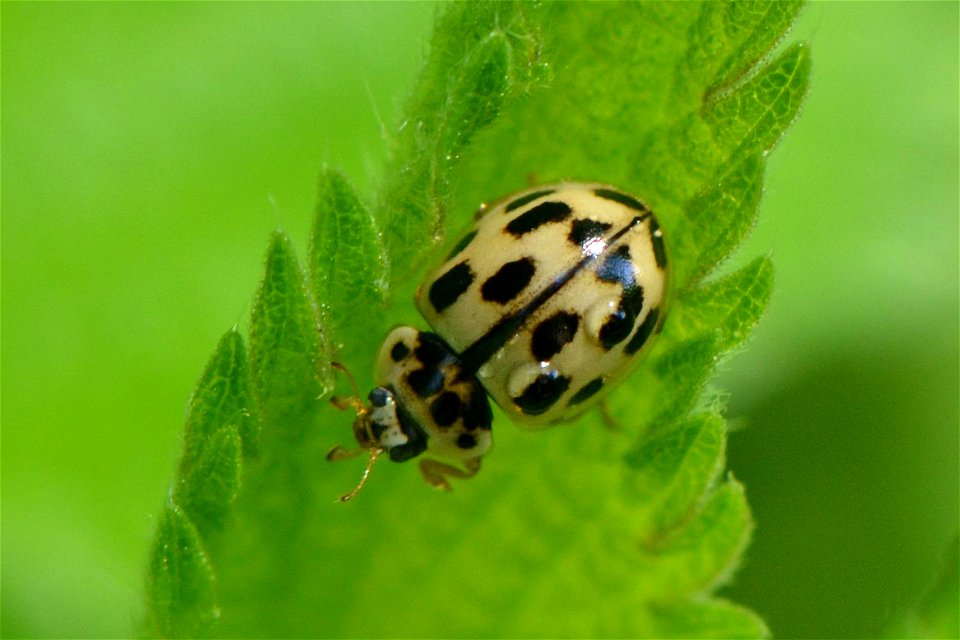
[542, 214]
[497, 336]
[632, 300]
[622, 198]
[643, 332]
[493, 340]
[445, 409]
[460, 246]
[656, 238]
[466, 441]
[446, 289]
[618, 267]
[509, 281]
[425, 382]
[616, 328]
[399, 351]
[552, 334]
[620, 323]
[585, 231]
[476, 412]
[542, 393]
[431, 350]
[586, 391]
[522, 200]
[434, 354]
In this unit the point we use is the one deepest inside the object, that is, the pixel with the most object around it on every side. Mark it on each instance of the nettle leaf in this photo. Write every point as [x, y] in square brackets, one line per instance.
[286, 342]
[482, 55]
[221, 426]
[673, 471]
[730, 305]
[618, 527]
[700, 555]
[722, 215]
[180, 590]
[348, 267]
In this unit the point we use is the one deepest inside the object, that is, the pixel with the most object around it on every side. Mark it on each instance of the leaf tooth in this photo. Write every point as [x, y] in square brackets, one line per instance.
[287, 353]
[683, 370]
[673, 470]
[463, 88]
[181, 596]
[223, 397]
[731, 305]
[706, 618]
[207, 486]
[348, 266]
[702, 554]
[753, 116]
[756, 28]
[719, 218]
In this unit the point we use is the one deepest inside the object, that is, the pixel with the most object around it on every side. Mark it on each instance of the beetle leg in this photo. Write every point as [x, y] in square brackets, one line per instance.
[435, 473]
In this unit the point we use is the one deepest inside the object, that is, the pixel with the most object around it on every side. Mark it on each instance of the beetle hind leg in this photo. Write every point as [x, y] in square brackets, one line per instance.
[435, 473]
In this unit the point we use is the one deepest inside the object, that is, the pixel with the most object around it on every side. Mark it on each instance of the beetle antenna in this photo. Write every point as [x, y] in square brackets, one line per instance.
[353, 402]
[339, 366]
[374, 456]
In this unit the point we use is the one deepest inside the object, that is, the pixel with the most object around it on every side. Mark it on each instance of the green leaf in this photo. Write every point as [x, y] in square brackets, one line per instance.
[207, 486]
[730, 38]
[719, 218]
[673, 472]
[720, 315]
[483, 54]
[731, 305]
[290, 371]
[221, 424]
[671, 382]
[755, 115]
[348, 266]
[711, 618]
[223, 398]
[591, 529]
[286, 343]
[701, 554]
[181, 598]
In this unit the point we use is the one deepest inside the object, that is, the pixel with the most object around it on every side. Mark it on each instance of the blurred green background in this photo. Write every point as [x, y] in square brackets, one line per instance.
[149, 149]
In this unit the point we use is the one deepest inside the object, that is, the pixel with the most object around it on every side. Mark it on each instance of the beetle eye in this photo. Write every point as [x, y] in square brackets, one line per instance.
[379, 396]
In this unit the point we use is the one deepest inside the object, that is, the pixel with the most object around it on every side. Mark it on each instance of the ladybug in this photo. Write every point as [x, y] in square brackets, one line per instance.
[548, 300]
